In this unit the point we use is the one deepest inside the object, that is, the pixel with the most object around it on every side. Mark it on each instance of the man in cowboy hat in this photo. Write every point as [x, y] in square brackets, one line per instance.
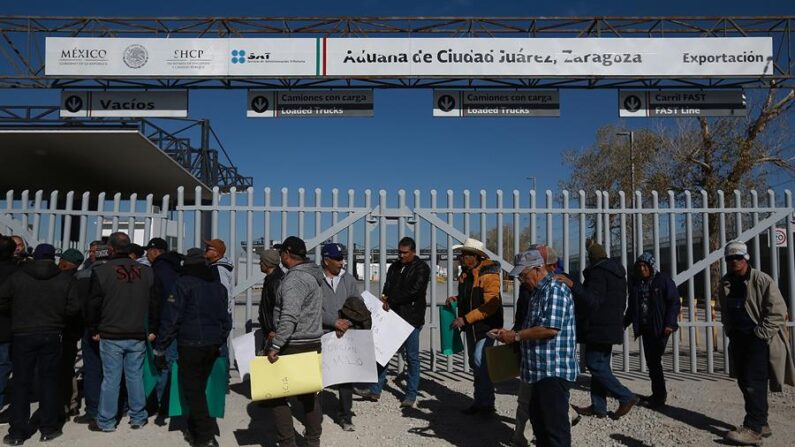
[754, 317]
[479, 311]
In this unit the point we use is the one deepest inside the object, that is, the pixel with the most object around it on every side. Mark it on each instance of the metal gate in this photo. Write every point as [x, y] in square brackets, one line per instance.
[676, 227]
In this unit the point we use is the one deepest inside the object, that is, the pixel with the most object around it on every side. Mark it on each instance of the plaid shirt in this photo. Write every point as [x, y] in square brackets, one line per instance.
[551, 306]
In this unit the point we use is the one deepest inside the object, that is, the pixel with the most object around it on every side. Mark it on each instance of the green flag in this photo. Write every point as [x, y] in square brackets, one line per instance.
[451, 338]
[215, 391]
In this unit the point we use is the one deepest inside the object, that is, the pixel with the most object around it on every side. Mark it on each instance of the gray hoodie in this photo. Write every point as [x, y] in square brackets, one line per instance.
[334, 300]
[297, 314]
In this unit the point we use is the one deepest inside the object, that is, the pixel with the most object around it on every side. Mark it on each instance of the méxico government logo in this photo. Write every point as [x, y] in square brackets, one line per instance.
[135, 56]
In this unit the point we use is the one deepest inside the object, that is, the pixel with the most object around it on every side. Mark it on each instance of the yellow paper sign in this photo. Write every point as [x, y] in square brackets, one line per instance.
[291, 375]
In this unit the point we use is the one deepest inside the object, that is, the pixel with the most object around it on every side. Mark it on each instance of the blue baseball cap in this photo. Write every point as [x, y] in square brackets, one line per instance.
[332, 251]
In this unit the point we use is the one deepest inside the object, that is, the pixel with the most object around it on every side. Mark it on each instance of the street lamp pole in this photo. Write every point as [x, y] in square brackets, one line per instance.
[532, 179]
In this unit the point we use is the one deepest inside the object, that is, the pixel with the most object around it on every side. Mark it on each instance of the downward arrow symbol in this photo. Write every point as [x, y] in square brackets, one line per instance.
[74, 103]
[446, 103]
[259, 104]
[632, 103]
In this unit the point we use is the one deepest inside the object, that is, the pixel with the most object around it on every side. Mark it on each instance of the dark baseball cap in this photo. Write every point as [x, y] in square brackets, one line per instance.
[333, 251]
[158, 243]
[293, 245]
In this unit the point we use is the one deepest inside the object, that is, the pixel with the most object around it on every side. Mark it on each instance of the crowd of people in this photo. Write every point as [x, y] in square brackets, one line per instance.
[125, 304]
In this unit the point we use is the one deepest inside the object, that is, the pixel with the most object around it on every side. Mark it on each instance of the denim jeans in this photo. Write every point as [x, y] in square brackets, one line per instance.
[5, 370]
[412, 349]
[92, 374]
[129, 356]
[34, 352]
[484, 389]
[603, 382]
[171, 357]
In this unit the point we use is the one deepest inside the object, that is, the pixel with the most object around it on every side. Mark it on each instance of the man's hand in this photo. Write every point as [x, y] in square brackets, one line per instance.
[668, 331]
[340, 326]
[271, 334]
[95, 337]
[565, 280]
[386, 303]
[273, 356]
[450, 300]
[151, 338]
[458, 323]
[506, 336]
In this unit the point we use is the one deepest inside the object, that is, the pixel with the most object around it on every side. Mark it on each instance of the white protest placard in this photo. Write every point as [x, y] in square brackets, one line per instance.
[389, 330]
[245, 350]
[348, 359]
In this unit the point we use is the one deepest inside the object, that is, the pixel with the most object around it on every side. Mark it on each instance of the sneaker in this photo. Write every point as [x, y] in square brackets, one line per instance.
[138, 425]
[83, 419]
[50, 436]
[588, 411]
[10, 440]
[744, 436]
[347, 426]
[92, 426]
[624, 408]
[406, 403]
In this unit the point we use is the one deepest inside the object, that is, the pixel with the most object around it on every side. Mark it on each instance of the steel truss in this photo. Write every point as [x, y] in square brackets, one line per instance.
[22, 46]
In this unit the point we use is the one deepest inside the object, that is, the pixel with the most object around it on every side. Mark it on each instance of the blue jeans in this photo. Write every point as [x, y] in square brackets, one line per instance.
[171, 357]
[129, 355]
[412, 349]
[484, 389]
[597, 359]
[5, 370]
[92, 374]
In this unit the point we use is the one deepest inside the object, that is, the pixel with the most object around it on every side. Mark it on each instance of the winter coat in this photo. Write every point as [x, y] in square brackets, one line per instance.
[223, 271]
[195, 310]
[766, 306]
[40, 298]
[7, 268]
[405, 289]
[600, 303]
[268, 300]
[298, 311]
[122, 299]
[664, 305]
[334, 300]
[479, 299]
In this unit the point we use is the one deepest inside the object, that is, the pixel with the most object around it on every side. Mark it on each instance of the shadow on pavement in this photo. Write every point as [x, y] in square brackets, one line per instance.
[628, 441]
[696, 420]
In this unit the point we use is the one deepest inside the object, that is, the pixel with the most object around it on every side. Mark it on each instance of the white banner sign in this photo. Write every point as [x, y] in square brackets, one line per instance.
[245, 349]
[82, 57]
[389, 330]
[348, 359]
[105, 104]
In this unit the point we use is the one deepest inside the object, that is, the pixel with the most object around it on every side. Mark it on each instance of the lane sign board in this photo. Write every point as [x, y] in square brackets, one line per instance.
[496, 103]
[682, 103]
[309, 103]
[116, 104]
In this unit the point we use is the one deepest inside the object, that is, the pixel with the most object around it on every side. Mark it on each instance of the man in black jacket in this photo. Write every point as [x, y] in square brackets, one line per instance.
[404, 292]
[8, 266]
[165, 267]
[652, 311]
[599, 306]
[39, 297]
[123, 297]
[269, 265]
[197, 318]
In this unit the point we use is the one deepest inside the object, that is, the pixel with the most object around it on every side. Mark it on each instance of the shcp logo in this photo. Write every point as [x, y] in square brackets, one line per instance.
[238, 56]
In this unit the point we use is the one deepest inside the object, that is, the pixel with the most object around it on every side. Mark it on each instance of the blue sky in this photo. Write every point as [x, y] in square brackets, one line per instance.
[402, 146]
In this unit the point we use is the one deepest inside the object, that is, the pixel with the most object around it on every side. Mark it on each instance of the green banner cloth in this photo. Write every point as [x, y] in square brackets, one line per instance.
[451, 338]
[215, 390]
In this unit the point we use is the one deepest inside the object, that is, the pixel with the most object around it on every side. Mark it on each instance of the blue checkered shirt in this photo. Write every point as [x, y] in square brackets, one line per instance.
[551, 306]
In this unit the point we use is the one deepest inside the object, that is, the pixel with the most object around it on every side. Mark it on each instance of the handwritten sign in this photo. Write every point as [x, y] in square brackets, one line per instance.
[291, 375]
[349, 359]
[389, 330]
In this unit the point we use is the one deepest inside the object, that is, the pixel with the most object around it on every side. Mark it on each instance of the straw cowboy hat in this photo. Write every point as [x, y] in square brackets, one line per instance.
[472, 246]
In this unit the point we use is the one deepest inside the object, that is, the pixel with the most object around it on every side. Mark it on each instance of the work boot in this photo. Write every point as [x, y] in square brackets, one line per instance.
[744, 436]
[766, 432]
[624, 408]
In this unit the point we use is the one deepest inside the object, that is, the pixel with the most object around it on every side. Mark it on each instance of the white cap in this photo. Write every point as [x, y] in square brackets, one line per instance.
[736, 248]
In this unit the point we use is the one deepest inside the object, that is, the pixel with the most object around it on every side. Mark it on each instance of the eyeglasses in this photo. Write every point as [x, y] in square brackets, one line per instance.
[734, 258]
